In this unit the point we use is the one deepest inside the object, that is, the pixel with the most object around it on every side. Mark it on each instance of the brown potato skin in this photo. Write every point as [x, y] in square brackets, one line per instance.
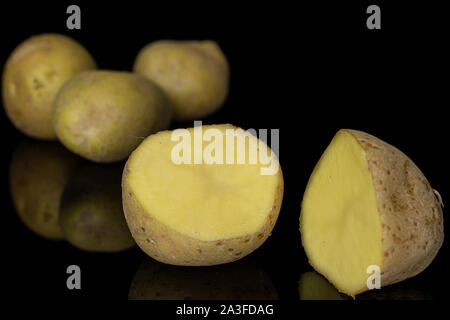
[169, 246]
[33, 75]
[194, 74]
[103, 115]
[411, 216]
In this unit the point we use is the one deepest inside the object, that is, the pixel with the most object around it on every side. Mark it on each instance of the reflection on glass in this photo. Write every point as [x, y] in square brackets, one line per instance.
[398, 291]
[91, 215]
[313, 286]
[38, 173]
[58, 196]
[244, 279]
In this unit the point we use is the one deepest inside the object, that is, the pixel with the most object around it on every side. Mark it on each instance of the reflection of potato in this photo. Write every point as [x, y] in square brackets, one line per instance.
[398, 291]
[244, 279]
[39, 172]
[193, 73]
[104, 115]
[91, 210]
[312, 286]
[34, 73]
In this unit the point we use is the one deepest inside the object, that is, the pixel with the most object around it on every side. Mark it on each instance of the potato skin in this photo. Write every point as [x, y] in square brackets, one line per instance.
[38, 174]
[169, 246]
[195, 75]
[33, 74]
[411, 216]
[103, 115]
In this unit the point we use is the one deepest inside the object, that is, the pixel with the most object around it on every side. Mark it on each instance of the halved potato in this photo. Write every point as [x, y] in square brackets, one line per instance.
[198, 214]
[366, 204]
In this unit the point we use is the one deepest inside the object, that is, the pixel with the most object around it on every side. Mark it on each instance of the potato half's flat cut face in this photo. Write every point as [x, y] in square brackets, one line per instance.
[199, 214]
[340, 222]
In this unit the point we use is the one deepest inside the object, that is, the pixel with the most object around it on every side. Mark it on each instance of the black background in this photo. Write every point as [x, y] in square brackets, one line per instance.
[306, 69]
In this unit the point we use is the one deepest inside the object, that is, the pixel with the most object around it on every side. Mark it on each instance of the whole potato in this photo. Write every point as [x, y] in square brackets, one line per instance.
[103, 115]
[91, 210]
[194, 74]
[32, 76]
[39, 171]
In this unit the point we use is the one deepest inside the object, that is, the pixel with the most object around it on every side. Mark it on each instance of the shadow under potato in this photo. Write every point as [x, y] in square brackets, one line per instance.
[92, 216]
[241, 280]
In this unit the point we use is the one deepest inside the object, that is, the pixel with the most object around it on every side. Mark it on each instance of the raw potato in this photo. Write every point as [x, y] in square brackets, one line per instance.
[91, 210]
[195, 75]
[34, 73]
[103, 115]
[367, 203]
[242, 280]
[39, 171]
[198, 214]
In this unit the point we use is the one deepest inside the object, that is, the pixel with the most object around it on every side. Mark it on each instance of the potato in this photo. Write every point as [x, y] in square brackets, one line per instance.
[312, 286]
[242, 280]
[103, 115]
[194, 74]
[38, 173]
[199, 214]
[367, 203]
[32, 76]
[91, 210]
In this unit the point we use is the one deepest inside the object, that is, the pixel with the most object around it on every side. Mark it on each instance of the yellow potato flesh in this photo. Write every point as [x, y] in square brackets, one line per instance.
[204, 201]
[340, 222]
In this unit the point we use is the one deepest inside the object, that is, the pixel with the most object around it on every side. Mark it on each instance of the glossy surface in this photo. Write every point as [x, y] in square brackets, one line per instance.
[307, 71]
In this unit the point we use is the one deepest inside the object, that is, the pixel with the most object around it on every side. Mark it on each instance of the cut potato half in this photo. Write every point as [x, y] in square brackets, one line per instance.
[199, 213]
[367, 204]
